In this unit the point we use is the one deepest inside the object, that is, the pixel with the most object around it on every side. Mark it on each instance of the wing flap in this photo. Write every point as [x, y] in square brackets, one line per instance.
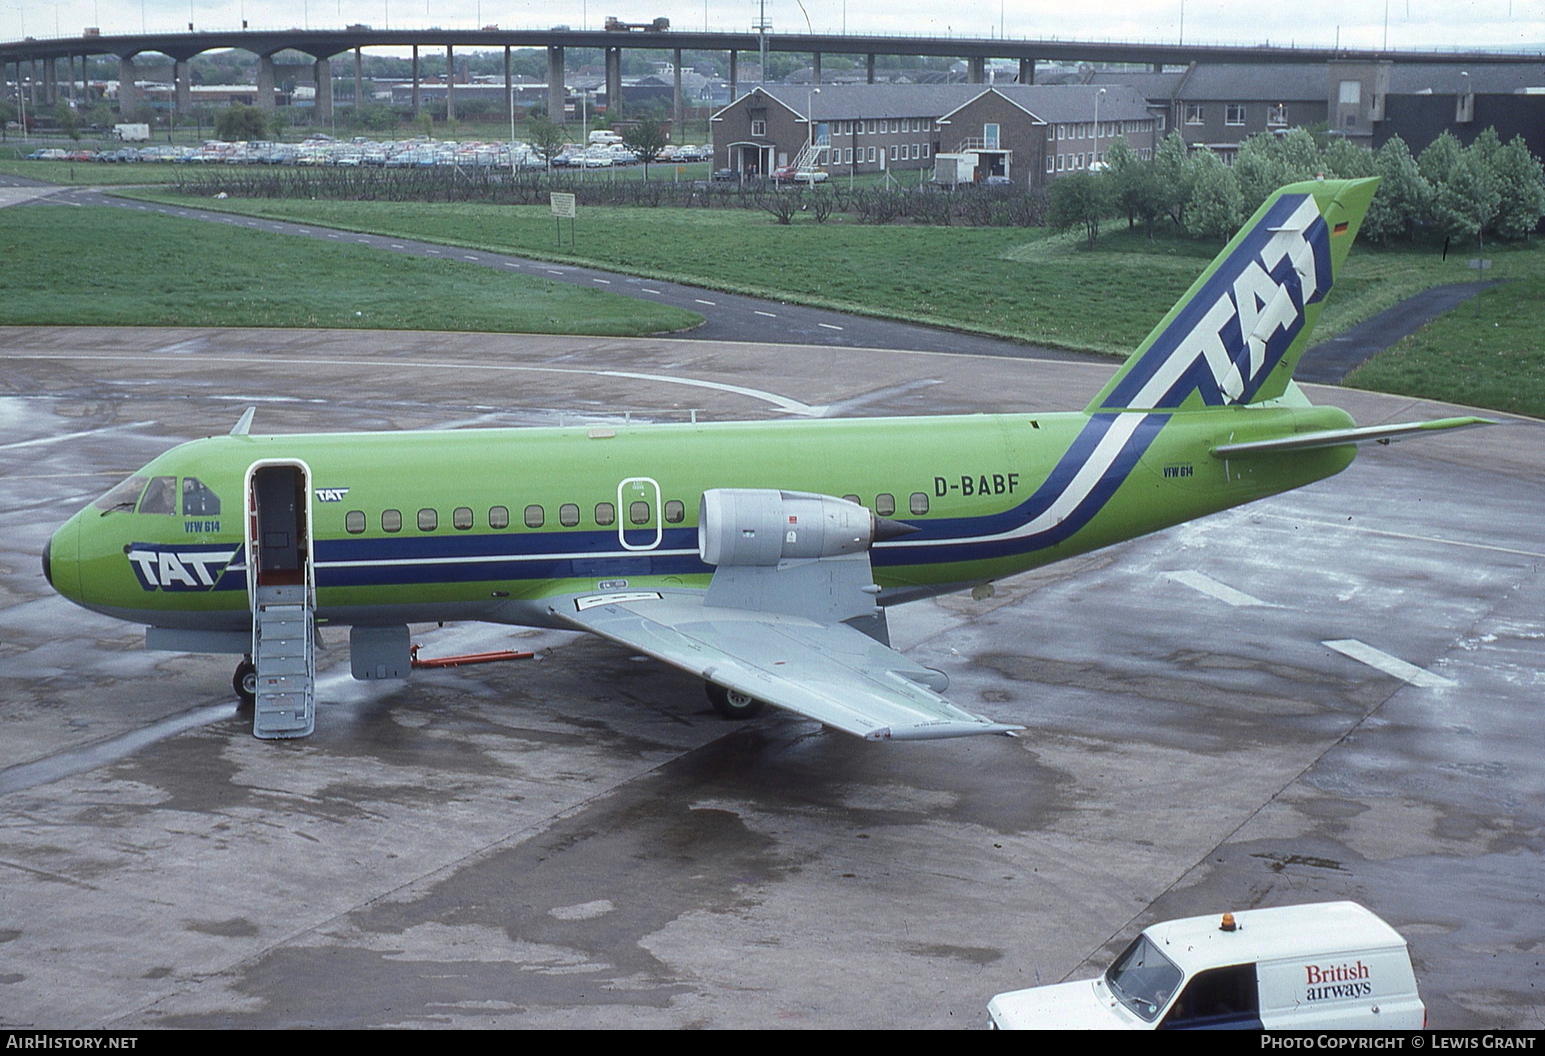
[1382, 434]
[828, 672]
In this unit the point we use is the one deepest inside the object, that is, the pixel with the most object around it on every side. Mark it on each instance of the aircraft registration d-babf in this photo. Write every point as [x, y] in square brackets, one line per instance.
[759, 556]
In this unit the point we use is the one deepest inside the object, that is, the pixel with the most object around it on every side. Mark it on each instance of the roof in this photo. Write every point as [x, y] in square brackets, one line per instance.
[1484, 79]
[1324, 929]
[1050, 102]
[1276, 82]
[1152, 85]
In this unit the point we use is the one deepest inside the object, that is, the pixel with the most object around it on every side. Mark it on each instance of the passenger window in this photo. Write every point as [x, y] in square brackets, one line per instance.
[461, 518]
[499, 517]
[675, 511]
[535, 516]
[568, 515]
[354, 522]
[123, 497]
[885, 504]
[428, 520]
[197, 500]
[638, 512]
[391, 520]
[853, 499]
[605, 514]
[160, 497]
[918, 503]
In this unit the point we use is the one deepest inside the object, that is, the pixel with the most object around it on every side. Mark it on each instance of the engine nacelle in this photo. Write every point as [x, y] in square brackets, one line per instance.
[757, 526]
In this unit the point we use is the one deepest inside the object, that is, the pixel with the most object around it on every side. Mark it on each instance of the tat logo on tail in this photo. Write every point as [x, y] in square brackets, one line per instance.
[1235, 328]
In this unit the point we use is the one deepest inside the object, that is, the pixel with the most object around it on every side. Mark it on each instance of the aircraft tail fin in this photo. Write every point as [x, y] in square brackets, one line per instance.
[1236, 335]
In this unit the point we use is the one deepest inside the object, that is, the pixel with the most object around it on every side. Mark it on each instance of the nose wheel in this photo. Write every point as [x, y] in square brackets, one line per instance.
[244, 682]
[732, 703]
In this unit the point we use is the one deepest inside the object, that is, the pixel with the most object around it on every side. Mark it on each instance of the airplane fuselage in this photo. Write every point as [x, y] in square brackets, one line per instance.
[484, 524]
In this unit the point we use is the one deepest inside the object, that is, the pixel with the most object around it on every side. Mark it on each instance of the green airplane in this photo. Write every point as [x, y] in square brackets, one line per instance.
[760, 556]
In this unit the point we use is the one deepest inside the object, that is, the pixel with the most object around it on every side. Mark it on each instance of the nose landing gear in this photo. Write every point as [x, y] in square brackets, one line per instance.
[244, 682]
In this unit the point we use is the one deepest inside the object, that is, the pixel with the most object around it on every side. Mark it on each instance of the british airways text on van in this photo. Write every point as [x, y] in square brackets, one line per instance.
[1330, 965]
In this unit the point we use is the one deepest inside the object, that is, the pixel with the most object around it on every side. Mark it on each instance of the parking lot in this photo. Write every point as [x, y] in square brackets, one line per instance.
[580, 841]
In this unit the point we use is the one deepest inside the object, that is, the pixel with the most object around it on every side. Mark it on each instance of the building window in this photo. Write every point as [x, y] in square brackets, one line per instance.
[847, 155]
[759, 128]
[1234, 114]
[871, 154]
[1060, 160]
[1350, 93]
[893, 152]
[990, 136]
[1051, 163]
[925, 150]
[1193, 113]
[1062, 131]
[1277, 114]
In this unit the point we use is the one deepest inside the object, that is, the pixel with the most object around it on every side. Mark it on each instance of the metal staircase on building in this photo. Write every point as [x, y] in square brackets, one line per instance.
[282, 649]
[809, 157]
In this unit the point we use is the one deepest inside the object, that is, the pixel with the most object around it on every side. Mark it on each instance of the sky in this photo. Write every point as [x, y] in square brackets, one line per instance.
[1353, 23]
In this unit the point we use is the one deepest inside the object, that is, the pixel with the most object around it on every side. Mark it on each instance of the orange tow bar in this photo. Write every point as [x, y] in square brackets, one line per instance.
[468, 658]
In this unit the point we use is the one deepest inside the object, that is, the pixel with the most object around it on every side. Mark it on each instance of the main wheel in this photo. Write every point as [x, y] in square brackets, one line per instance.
[244, 682]
[732, 703]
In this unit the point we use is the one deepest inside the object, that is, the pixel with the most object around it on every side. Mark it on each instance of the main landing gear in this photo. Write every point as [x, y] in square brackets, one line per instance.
[244, 682]
[731, 703]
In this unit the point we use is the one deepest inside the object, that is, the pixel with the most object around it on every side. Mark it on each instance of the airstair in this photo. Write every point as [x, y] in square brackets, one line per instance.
[283, 599]
[282, 639]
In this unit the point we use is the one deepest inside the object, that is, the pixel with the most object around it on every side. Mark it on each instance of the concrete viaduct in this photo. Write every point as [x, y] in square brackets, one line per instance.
[41, 57]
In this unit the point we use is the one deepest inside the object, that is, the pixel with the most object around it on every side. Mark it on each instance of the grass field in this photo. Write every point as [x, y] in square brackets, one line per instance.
[1024, 284]
[112, 267]
[1486, 354]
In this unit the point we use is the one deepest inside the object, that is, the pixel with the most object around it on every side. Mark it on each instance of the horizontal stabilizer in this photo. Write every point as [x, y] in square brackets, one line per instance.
[1369, 434]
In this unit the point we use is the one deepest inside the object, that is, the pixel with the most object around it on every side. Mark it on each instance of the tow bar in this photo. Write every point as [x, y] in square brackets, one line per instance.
[467, 658]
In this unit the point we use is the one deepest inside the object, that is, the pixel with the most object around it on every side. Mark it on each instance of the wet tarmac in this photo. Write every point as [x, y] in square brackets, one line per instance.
[1332, 694]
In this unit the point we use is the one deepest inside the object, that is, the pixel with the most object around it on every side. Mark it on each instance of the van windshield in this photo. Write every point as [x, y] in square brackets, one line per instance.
[1143, 979]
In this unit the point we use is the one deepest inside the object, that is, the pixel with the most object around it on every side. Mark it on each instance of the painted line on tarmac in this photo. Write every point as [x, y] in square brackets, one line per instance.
[81, 760]
[1407, 536]
[1364, 653]
[1213, 589]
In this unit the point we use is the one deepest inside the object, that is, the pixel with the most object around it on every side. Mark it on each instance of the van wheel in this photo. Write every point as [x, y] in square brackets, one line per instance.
[732, 703]
[244, 682]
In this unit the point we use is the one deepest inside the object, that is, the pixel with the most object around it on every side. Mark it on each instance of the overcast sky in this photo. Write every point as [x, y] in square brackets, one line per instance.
[1356, 23]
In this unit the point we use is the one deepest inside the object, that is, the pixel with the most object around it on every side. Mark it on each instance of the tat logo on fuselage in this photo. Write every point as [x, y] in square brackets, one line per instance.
[183, 568]
[331, 494]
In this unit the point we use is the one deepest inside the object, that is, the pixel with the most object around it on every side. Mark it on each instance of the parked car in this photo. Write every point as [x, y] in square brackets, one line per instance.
[725, 175]
[789, 174]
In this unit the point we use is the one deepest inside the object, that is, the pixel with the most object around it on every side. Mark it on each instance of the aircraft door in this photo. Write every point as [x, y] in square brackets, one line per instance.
[639, 526]
[278, 537]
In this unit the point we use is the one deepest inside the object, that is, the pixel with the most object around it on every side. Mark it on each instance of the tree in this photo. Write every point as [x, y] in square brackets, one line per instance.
[1079, 198]
[7, 115]
[240, 122]
[1175, 174]
[547, 138]
[1467, 200]
[1439, 157]
[1520, 183]
[1404, 195]
[1135, 185]
[1217, 208]
[647, 140]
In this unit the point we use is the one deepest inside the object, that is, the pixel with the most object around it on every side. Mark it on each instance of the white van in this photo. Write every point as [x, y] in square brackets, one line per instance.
[1325, 966]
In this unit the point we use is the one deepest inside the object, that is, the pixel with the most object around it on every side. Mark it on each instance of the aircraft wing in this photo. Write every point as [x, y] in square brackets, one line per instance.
[824, 671]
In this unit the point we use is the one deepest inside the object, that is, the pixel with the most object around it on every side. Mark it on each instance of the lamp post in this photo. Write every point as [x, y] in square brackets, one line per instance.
[1096, 157]
[810, 122]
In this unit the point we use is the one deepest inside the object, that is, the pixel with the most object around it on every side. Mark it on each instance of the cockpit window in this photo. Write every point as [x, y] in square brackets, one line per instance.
[123, 497]
[198, 500]
[160, 497]
[1143, 979]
